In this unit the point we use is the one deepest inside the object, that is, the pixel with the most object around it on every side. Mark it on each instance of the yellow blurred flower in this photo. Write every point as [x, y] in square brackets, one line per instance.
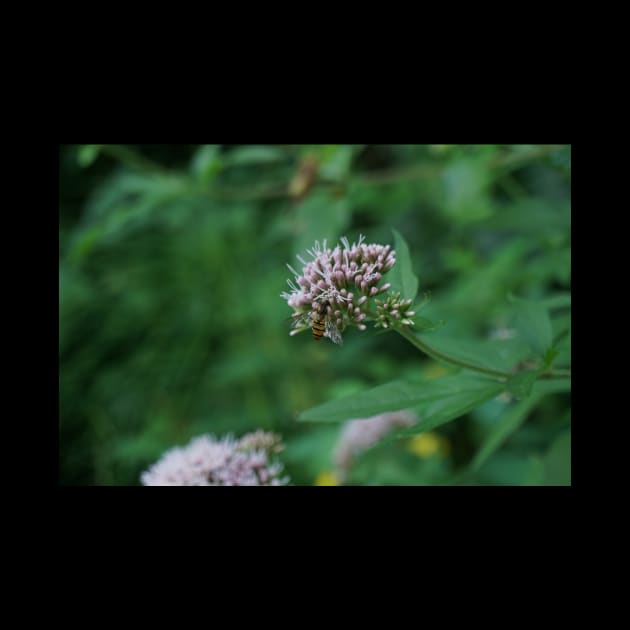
[435, 370]
[428, 444]
[326, 478]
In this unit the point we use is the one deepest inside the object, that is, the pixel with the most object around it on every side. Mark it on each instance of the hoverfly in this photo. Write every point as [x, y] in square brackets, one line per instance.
[322, 323]
[321, 320]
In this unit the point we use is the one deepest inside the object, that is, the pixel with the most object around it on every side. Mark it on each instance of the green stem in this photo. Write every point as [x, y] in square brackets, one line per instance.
[440, 356]
[559, 373]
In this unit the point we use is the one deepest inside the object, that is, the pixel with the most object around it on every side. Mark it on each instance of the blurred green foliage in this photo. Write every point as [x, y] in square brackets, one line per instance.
[173, 258]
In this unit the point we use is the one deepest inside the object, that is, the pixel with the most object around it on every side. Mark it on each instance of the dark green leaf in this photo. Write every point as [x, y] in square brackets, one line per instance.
[532, 321]
[520, 385]
[564, 350]
[320, 217]
[561, 326]
[465, 184]
[313, 449]
[550, 355]
[511, 421]
[398, 395]
[536, 473]
[440, 412]
[552, 386]
[558, 461]
[422, 324]
[426, 298]
[88, 153]
[255, 154]
[474, 291]
[206, 162]
[562, 300]
[497, 354]
[402, 277]
[515, 417]
[505, 468]
[336, 161]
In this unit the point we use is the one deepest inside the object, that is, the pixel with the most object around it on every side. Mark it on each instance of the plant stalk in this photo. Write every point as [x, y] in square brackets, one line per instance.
[440, 356]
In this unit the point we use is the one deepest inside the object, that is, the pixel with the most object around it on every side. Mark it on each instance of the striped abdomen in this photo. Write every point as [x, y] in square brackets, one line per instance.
[319, 326]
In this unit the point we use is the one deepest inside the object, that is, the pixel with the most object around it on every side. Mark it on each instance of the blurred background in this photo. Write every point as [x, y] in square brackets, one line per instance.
[172, 261]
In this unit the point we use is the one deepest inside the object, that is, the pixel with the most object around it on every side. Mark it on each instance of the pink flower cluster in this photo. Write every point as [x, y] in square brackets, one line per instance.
[393, 311]
[206, 461]
[341, 280]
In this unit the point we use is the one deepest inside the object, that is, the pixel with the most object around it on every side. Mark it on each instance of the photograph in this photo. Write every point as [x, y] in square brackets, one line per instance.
[314, 315]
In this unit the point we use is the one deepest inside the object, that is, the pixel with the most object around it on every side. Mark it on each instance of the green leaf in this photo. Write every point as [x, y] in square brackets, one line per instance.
[474, 292]
[536, 473]
[312, 450]
[542, 219]
[552, 386]
[402, 277]
[426, 298]
[465, 186]
[336, 161]
[505, 468]
[422, 324]
[399, 395]
[558, 461]
[497, 354]
[510, 422]
[255, 154]
[83, 243]
[440, 412]
[88, 154]
[520, 385]
[515, 417]
[560, 326]
[564, 350]
[320, 217]
[532, 321]
[559, 301]
[550, 356]
[206, 162]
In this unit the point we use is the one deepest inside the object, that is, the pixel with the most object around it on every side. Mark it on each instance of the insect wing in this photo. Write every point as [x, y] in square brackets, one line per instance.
[333, 333]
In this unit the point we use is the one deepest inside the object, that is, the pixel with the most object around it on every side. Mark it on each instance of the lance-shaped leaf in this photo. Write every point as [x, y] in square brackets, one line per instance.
[399, 395]
[514, 418]
[402, 277]
[532, 321]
